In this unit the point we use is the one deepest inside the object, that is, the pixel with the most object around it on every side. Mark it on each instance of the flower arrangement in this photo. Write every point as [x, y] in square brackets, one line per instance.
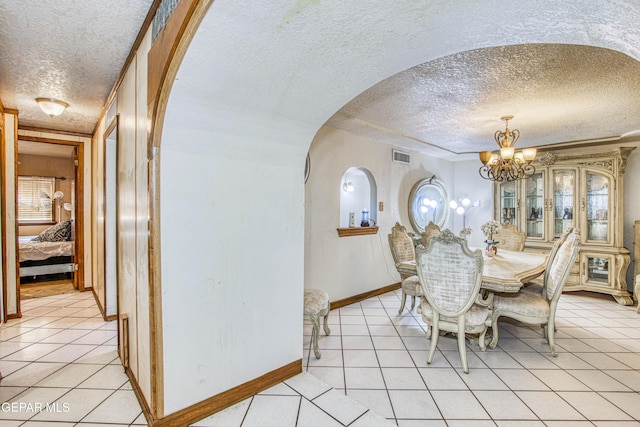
[490, 228]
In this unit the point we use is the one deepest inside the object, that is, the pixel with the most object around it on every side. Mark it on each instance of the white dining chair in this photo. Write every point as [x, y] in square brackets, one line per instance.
[450, 277]
[403, 251]
[535, 309]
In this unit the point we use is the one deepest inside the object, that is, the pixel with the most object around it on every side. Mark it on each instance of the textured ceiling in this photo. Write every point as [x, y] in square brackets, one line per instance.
[305, 61]
[434, 76]
[557, 93]
[72, 50]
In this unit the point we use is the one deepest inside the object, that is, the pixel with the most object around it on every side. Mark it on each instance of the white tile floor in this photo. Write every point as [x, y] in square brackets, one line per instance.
[62, 352]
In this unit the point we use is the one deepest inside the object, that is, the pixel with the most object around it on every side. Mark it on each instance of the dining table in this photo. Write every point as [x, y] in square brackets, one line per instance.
[506, 271]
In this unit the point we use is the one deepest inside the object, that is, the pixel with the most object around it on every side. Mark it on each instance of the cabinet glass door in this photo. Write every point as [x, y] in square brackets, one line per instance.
[534, 193]
[597, 198]
[508, 203]
[563, 200]
[599, 268]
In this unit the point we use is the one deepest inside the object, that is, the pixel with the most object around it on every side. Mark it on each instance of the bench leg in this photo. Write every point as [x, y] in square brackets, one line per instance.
[326, 326]
[314, 336]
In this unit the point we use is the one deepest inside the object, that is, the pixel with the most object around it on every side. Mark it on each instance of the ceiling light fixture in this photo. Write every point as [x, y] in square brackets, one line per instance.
[507, 165]
[52, 107]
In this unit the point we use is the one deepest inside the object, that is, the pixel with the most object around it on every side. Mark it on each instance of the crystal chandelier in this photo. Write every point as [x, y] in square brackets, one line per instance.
[508, 165]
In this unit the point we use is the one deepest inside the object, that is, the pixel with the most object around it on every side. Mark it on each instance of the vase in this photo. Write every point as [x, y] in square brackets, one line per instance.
[491, 248]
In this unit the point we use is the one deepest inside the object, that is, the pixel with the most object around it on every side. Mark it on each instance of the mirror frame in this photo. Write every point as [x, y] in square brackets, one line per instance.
[436, 184]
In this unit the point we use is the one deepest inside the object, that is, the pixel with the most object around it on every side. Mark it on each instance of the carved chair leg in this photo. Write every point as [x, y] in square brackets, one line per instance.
[462, 347]
[435, 333]
[494, 330]
[550, 328]
[413, 302]
[481, 340]
[404, 298]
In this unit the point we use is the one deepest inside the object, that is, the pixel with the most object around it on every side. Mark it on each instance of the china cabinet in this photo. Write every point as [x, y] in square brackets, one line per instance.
[575, 189]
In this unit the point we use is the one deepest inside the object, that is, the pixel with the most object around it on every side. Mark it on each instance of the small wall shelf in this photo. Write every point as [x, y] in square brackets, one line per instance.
[357, 231]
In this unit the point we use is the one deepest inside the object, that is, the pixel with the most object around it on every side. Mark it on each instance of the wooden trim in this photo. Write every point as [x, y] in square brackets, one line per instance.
[79, 218]
[357, 231]
[164, 59]
[3, 213]
[230, 397]
[102, 310]
[51, 140]
[363, 296]
[15, 215]
[55, 131]
[13, 111]
[144, 405]
[14, 316]
[78, 275]
[165, 45]
[113, 125]
[148, 20]
[123, 336]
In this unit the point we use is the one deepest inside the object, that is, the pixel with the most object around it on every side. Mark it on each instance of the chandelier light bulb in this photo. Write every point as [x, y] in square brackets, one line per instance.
[529, 154]
[507, 153]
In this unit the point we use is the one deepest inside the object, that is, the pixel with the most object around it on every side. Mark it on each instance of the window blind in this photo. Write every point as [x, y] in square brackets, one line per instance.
[35, 198]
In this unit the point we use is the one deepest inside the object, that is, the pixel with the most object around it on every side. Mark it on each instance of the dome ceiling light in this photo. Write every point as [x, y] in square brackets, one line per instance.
[51, 106]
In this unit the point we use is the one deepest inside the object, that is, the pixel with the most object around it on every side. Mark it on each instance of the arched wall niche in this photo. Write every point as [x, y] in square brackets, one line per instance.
[358, 192]
[247, 131]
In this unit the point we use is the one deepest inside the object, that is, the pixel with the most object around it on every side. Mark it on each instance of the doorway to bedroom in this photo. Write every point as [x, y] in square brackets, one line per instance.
[46, 211]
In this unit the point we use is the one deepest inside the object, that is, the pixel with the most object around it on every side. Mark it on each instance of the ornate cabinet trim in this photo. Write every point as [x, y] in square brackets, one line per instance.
[597, 210]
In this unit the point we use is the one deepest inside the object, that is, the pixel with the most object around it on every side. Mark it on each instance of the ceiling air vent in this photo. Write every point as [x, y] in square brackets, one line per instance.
[400, 157]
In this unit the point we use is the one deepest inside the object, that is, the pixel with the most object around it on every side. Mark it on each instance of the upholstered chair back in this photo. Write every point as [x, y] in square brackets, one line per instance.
[563, 260]
[450, 273]
[554, 250]
[511, 238]
[401, 244]
[430, 230]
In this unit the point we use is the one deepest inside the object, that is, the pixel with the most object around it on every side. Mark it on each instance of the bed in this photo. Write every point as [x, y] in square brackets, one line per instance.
[51, 252]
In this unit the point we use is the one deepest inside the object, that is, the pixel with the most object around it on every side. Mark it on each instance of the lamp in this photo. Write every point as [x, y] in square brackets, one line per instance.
[51, 106]
[462, 209]
[348, 187]
[57, 197]
[507, 165]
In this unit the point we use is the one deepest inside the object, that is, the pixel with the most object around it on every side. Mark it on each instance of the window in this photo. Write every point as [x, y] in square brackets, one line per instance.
[35, 199]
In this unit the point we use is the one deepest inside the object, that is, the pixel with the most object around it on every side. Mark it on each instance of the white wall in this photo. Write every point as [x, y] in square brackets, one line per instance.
[468, 183]
[347, 266]
[232, 250]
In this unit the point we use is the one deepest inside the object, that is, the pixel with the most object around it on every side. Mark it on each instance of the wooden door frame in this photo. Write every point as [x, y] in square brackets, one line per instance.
[79, 208]
[114, 125]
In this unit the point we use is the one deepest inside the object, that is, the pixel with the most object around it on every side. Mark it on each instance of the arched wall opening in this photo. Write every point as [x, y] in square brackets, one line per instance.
[248, 99]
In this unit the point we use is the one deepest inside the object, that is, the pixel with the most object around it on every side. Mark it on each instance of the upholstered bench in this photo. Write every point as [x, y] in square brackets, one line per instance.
[316, 305]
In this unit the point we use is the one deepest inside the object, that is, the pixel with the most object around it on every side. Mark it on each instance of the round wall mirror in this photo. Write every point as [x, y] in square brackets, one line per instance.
[428, 202]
